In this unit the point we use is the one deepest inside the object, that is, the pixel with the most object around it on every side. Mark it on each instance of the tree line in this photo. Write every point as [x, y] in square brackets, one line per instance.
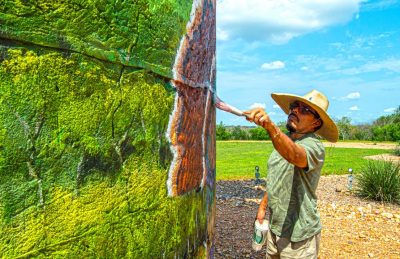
[385, 128]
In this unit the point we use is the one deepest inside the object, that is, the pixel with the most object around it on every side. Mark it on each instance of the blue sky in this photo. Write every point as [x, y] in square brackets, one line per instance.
[347, 49]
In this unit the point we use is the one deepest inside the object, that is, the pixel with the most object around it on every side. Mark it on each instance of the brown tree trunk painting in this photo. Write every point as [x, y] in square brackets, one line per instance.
[194, 114]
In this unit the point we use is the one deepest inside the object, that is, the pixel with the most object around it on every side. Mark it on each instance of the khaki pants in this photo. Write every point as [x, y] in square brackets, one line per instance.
[278, 247]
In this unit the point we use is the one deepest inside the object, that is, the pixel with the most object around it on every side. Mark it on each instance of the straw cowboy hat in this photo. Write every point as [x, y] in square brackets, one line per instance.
[319, 103]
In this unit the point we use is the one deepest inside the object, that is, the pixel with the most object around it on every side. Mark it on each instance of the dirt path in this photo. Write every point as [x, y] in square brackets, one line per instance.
[385, 157]
[352, 227]
[369, 145]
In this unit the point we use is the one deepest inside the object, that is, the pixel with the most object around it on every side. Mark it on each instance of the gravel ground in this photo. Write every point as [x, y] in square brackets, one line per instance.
[352, 227]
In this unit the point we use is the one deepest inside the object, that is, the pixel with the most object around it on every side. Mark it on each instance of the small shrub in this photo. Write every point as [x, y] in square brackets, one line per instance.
[396, 151]
[380, 180]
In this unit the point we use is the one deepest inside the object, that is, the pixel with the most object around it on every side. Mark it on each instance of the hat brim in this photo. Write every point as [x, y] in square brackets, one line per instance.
[329, 131]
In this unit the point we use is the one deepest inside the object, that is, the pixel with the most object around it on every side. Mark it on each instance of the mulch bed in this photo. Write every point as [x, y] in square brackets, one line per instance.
[352, 227]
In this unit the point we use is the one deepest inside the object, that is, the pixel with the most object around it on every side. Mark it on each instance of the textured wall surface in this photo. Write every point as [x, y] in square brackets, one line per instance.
[107, 128]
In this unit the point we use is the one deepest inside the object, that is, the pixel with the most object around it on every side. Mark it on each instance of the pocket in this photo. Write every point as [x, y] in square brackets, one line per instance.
[301, 245]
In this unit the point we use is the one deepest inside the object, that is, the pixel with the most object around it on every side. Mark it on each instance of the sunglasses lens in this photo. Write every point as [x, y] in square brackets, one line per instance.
[293, 106]
[303, 109]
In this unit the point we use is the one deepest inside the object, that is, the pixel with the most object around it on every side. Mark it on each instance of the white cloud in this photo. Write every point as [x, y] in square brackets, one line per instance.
[378, 5]
[275, 106]
[273, 65]
[257, 105]
[318, 63]
[272, 113]
[222, 35]
[354, 108]
[391, 64]
[352, 96]
[278, 21]
[390, 110]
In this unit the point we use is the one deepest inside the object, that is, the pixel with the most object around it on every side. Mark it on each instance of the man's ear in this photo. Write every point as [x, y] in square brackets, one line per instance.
[317, 123]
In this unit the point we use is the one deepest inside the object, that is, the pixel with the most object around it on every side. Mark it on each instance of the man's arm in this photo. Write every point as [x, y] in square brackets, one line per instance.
[293, 153]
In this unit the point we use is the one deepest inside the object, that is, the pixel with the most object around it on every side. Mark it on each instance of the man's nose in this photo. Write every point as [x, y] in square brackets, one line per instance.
[295, 110]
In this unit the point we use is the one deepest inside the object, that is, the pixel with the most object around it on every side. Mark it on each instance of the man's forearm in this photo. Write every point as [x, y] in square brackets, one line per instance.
[293, 153]
[289, 150]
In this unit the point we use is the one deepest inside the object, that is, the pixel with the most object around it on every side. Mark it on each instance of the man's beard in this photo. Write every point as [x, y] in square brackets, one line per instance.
[290, 128]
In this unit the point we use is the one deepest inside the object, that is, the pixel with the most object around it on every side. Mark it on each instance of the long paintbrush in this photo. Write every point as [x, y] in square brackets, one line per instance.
[228, 108]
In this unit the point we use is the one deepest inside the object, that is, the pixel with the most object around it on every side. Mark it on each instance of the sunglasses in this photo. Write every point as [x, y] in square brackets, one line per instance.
[303, 109]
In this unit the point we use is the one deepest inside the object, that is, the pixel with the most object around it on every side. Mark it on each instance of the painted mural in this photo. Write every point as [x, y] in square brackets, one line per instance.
[107, 129]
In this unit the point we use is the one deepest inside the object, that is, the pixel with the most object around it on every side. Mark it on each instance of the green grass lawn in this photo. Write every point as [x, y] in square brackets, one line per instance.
[236, 159]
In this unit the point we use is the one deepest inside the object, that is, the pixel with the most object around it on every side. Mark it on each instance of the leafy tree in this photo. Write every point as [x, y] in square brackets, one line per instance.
[361, 132]
[388, 119]
[344, 126]
[239, 134]
[387, 128]
[258, 133]
[221, 132]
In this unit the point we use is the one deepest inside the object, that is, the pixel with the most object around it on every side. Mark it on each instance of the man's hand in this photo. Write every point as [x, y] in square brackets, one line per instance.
[262, 208]
[260, 214]
[258, 116]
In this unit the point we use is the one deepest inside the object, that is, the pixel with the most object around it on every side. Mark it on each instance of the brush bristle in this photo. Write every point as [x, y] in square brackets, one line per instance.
[226, 107]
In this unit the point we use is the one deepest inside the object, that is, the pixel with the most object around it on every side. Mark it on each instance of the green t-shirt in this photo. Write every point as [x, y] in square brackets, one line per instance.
[292, 196]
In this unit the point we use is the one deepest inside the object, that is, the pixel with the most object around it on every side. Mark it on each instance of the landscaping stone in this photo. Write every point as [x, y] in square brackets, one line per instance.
[350, 224]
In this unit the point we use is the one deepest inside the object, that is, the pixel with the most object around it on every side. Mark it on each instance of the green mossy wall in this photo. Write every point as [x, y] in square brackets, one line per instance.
[85, 102]
[140, 33]
[111, 125]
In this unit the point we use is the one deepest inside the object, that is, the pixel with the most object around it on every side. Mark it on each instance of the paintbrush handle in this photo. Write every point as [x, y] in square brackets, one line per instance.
[228, 108]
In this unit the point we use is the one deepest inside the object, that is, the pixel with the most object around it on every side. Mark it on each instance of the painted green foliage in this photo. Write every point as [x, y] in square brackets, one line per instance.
[140, 33]
[83, 161]
[85, 100]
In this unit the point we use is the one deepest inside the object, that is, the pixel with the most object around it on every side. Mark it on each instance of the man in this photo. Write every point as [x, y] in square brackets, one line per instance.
[294, 169]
